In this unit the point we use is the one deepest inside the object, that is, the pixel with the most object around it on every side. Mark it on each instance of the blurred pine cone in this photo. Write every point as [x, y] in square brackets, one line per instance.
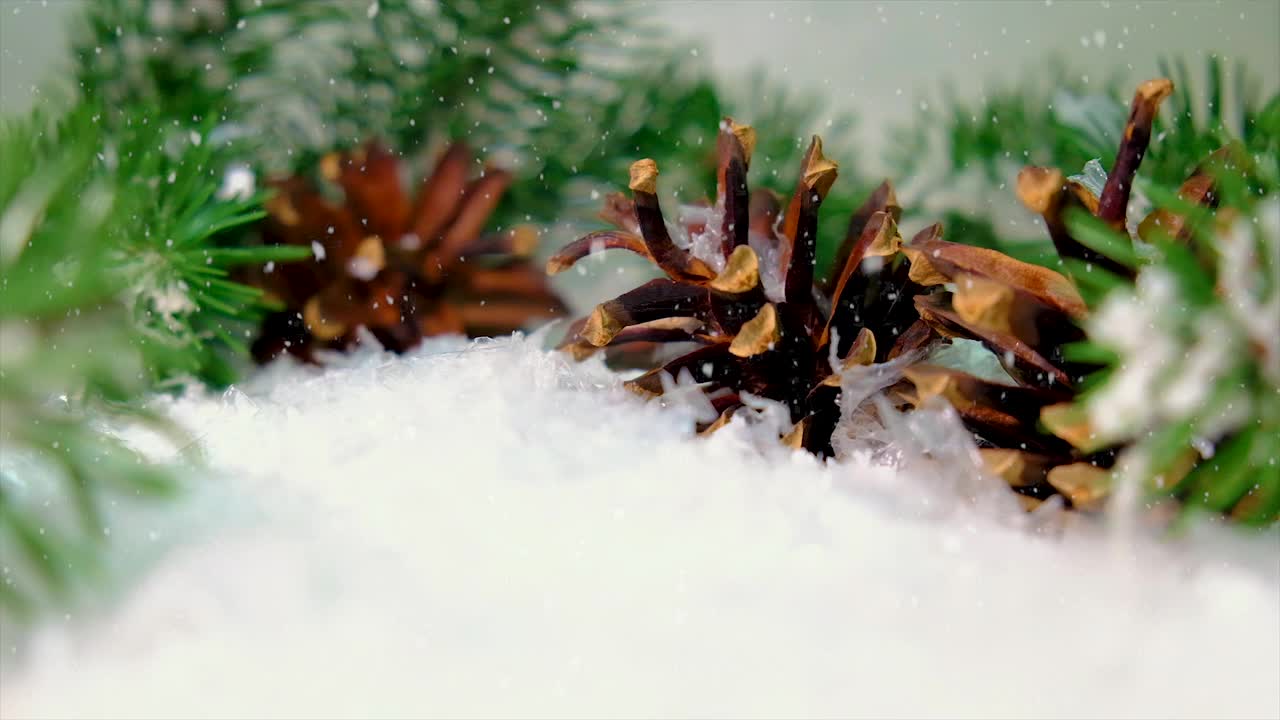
[403, 267]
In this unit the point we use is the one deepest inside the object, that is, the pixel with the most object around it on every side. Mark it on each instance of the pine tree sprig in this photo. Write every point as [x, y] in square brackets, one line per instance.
[112, 284]
[558, 92]
[68, 350]
[1191, 366]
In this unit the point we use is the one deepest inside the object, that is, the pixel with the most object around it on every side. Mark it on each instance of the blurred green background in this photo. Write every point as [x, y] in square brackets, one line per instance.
[881, 60]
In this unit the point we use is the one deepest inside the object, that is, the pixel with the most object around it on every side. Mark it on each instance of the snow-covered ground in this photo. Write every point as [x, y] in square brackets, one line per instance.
[486, 530]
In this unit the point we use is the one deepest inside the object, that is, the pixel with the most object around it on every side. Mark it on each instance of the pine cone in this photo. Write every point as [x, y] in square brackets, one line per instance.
[402, 267]
[740, 282]
[1028, 316]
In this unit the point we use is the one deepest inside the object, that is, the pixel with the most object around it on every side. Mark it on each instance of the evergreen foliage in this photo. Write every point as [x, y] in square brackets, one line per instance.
[111, 285]
[561, 92]
[1190, 351]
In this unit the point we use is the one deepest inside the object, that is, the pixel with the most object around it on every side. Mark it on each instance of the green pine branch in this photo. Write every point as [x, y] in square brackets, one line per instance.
[69, 350]
[565, 93]
[111, 284]
[1207, 363]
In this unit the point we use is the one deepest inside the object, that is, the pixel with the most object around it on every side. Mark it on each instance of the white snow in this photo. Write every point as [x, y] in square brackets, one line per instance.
[238, 182]
[485, 530]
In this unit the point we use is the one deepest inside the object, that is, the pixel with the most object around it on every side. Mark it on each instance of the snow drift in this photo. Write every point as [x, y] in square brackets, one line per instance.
[484, 529]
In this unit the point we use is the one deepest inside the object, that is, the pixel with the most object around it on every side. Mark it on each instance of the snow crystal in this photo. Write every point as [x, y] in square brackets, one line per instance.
[1141, 327]
[486, 529]
[170, 300]
[928, 443]
[237, 183]
[772, 279]
[1094, 177]
[1172, 357]
[1210, 357]
[363, 268]
[706, 245]
[1245, 289]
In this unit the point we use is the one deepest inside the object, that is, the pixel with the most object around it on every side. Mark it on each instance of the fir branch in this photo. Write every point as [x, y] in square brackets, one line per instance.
[294, 80]
[1191, 362]
[181, 297]
[110, 284]
[212, 61]
[564, 93]
[69, 352]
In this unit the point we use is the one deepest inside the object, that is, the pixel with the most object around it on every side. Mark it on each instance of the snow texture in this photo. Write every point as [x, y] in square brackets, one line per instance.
[486, 530]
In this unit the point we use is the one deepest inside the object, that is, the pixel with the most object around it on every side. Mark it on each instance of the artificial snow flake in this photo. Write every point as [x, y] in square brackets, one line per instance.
[238, 183]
